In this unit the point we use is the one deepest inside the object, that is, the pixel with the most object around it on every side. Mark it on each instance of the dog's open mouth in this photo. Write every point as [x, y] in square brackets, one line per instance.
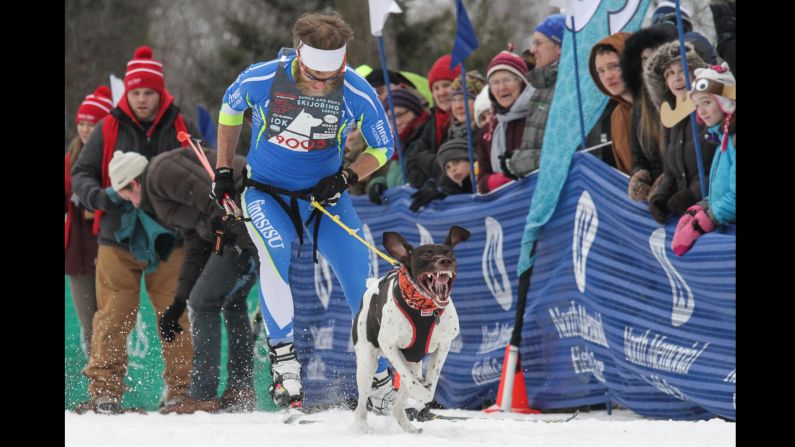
[438, 285]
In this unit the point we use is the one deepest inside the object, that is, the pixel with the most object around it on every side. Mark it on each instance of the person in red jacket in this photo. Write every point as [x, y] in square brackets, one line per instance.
[80, 244]
[145, 121]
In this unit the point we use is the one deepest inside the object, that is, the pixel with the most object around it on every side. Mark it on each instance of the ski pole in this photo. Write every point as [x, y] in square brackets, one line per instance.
[353, 233]
[229, 205]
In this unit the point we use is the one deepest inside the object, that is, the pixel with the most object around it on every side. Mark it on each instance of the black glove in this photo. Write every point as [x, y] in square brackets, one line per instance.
[224, 184]
[225, 233]
[504, 164]
[376, 193]
[658, 208]
[680, 201]
[169, 327]
[329, 189]
[425, 195]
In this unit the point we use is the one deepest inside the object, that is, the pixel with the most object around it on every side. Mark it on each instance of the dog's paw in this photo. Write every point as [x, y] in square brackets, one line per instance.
[408, 427]
[421, 393]
[413, 430]
[364, 427]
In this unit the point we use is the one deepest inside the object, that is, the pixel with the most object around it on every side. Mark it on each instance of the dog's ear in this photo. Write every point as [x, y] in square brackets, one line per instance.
[456, 235]
[397, 246]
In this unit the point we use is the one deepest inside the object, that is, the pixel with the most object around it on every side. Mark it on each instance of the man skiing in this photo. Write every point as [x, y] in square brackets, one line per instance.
[303, 105]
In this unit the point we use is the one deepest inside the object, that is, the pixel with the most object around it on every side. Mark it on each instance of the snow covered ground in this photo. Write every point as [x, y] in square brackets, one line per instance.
[622, 429]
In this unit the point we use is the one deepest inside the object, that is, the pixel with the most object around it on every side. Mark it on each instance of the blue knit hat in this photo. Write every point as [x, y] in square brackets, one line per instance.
[666, 12]
[552, 27]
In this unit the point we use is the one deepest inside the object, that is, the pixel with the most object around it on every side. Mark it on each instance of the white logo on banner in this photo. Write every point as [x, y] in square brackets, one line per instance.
[663, 385]
[486, 371]
[584, 12]
[368, 236]
[652, 350]
[494, 267]
[620, 18]
[684, 303]
[137, 343]
[586, 222]
[457, 344]
[425, 235]
[323, 335]
[732, 378]
[316, 369]
[323, 284]
[584, 361]
[494, 340]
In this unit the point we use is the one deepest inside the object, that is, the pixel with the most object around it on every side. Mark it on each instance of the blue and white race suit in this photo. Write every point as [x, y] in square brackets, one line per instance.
[298, 139]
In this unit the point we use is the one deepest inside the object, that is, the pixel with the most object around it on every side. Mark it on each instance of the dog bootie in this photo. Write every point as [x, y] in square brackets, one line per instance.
[382, 397]
[286, 389]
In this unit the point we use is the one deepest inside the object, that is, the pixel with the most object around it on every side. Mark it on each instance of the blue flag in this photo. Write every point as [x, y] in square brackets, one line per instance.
[595, 20]
[206, 125]
[465, 39]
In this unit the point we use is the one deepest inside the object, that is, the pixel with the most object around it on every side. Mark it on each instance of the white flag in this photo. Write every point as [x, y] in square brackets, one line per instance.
[116, 88]
[379, 11]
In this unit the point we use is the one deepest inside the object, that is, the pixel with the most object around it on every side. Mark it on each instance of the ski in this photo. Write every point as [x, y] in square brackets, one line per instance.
[296, 414]
[298, 417]
[464, 418]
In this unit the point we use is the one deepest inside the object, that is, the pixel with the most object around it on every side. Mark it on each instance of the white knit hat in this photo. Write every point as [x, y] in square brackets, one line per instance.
[719, 82]
[125, 167]
[482, 102]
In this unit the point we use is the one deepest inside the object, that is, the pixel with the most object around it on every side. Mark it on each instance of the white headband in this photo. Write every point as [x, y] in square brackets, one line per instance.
[321, 60]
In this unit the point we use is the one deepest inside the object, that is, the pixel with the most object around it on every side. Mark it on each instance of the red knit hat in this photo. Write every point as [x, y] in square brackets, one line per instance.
[95, 106]
[144, 72]
[505, 60]
[441, 70]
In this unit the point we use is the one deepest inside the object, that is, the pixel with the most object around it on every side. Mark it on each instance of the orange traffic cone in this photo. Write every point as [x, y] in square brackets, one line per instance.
[519, 403]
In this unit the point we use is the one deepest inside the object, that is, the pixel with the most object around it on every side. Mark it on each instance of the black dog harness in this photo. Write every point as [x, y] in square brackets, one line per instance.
[292, 210]
[422, 325]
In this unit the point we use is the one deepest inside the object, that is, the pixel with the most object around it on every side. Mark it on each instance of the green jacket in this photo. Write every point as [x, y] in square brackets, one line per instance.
[147, 240]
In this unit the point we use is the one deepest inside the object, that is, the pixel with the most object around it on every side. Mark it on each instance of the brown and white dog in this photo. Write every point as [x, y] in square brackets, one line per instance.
[406, 314]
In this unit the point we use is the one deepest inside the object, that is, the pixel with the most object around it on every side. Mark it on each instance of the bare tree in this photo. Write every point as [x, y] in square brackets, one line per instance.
[100, 37]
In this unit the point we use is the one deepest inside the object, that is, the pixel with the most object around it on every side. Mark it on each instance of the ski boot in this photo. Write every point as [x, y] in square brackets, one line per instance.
[286, 389]
[383, 395]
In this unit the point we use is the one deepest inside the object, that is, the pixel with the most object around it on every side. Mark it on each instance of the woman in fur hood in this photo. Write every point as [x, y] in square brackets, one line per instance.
[679, 186]
[646, 138]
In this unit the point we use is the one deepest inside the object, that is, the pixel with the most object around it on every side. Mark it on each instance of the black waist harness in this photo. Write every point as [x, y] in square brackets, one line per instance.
[292, 210]
[421, 324]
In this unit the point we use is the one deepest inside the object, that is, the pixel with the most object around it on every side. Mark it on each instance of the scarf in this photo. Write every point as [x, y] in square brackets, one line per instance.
[110, 131]
[442, 121]
[457, 130]
[518, 110]
[410, 130]
[411, 294]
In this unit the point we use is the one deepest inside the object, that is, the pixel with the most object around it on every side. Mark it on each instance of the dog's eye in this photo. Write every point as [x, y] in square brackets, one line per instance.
[427, 255]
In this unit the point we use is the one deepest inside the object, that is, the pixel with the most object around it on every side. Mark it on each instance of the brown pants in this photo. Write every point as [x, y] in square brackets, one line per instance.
[118, 298]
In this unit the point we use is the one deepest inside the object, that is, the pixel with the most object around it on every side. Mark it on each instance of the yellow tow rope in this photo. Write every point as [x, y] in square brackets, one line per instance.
[353, 233]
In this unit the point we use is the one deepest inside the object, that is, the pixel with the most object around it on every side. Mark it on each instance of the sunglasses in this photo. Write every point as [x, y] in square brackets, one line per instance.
[316, 79]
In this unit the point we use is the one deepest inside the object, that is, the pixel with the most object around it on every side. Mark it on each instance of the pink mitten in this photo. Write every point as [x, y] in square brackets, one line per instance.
[691, 226]
[496, 180]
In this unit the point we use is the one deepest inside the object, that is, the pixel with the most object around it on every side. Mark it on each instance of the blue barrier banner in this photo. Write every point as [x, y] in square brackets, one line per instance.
[611, 312]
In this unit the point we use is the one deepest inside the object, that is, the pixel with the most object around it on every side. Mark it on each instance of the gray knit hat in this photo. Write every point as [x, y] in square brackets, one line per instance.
[452, 149]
